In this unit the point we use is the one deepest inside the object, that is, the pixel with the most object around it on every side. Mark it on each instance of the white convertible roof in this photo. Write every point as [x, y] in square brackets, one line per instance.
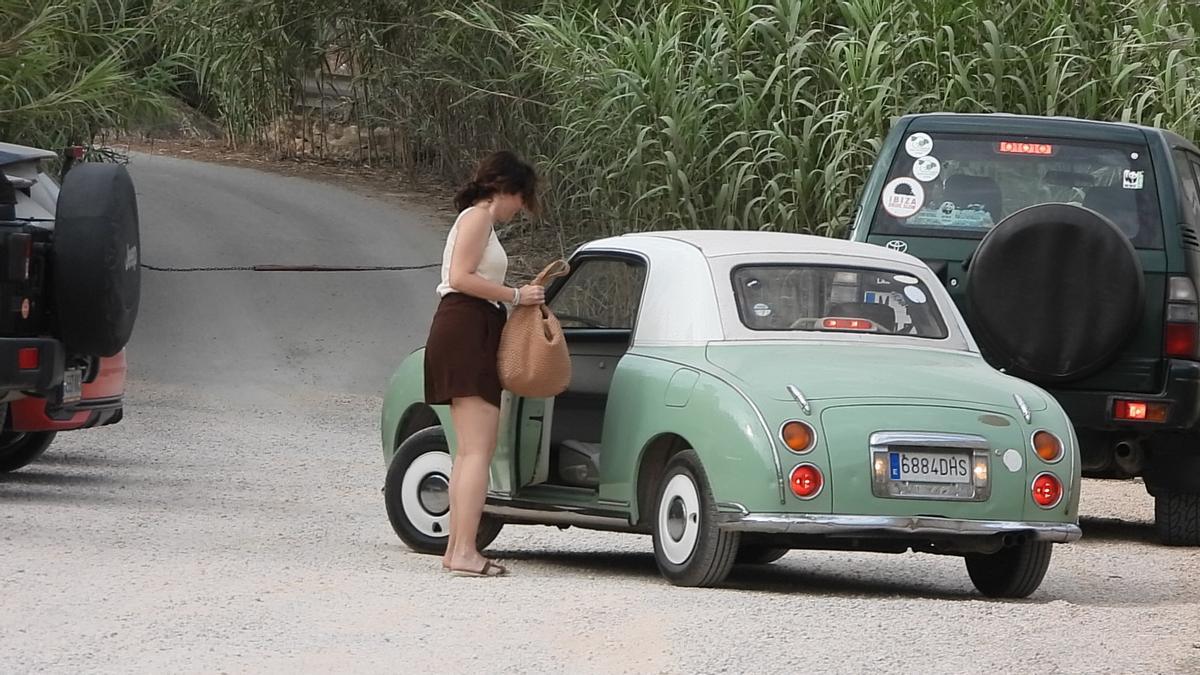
[688, 298]
[719, 243]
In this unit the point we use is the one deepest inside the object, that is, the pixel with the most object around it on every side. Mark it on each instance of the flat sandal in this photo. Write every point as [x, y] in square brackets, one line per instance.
[490, 569]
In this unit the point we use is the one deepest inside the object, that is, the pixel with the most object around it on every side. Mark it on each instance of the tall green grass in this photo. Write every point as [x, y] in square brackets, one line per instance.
[70, 69]
[742, 114]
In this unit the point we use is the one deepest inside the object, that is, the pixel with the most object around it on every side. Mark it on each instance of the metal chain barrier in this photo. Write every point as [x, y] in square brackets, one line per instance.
[294, 268]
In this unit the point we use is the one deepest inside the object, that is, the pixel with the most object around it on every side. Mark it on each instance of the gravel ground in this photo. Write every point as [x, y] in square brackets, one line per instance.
[233, 522]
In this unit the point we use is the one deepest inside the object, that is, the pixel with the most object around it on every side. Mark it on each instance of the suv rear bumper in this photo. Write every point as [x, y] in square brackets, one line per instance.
[47, 374]
[1093, 410]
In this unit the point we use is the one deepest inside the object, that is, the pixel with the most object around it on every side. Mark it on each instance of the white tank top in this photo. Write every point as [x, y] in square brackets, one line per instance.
[493, 266]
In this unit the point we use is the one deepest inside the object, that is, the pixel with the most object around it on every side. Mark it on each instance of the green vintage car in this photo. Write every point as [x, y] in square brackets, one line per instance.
[739, 394]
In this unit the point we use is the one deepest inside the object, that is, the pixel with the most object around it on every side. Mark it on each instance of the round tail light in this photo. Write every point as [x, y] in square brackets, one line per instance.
[798, 436]
[807, 481]
[1047, 490]
[1047, 446]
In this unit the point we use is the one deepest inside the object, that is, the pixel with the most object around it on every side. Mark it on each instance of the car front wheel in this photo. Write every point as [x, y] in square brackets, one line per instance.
[689, 547]
[417, 495]
[18, 449]
[1012, 572]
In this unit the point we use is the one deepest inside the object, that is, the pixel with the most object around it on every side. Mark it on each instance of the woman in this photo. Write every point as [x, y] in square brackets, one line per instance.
[460, 356]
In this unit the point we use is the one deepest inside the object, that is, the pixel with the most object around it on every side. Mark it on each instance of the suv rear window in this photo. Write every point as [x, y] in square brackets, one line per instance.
[958, 185]
[836, 299]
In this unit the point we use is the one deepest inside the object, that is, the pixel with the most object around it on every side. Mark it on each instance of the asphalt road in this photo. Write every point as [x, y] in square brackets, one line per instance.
[233, 521]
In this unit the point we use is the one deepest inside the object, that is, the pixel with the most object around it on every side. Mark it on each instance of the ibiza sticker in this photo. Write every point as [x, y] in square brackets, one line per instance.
[927, 168]
[1133, 180]
[918, 145]
[903, 197]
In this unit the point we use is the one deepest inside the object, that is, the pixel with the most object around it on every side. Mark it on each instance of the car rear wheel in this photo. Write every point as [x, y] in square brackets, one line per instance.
[1177, 518]
[417, 495]
[1012, 572]
[759, 554]
[18, 449]
[689, 547]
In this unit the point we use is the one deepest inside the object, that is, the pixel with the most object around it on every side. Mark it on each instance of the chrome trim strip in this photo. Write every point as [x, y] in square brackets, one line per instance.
[799, 396]
[838, 525]
[1024, 408]
[929, 439]
[556, 517]
[732, 507]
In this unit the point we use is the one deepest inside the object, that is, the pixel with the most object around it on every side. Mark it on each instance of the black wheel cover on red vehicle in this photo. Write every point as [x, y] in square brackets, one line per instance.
[97, 270]
[1054, 292]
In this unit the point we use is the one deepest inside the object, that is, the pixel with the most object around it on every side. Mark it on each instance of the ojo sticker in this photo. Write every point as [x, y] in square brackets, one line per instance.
[903, 197]
[927, 168]
[918, 145]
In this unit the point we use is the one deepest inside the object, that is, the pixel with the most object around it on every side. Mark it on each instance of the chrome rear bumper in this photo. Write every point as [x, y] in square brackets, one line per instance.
[888, 526]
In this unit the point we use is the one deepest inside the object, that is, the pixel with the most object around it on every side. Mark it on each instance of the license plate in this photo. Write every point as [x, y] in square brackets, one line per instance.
[72, 387]
[930, 467]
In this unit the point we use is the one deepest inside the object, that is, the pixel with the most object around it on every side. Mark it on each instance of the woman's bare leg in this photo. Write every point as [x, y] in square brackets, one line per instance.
[476, 423]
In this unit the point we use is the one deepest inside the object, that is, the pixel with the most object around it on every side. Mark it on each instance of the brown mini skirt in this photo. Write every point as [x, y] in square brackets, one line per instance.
[460, 355]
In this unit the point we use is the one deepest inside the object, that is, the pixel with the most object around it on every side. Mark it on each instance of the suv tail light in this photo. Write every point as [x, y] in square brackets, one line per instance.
[1182, 332]
[20, 251]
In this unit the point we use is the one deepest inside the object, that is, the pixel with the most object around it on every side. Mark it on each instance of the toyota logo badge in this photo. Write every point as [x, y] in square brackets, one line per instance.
[897, 245]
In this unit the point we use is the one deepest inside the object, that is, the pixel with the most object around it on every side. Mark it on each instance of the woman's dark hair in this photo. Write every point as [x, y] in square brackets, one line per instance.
[501, 172]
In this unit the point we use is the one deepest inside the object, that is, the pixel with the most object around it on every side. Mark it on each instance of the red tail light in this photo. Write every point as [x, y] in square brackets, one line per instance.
[807, 481]
[1181, 335]
[1140, 411]
[847, 324]
[1023, 148]
[1047, 490]
[28, 358]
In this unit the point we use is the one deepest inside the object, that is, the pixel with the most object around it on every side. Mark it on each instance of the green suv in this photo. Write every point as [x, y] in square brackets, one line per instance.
[1072, 247]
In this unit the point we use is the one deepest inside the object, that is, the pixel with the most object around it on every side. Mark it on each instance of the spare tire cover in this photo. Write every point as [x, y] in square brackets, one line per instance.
[1054, 291]
[97, 270]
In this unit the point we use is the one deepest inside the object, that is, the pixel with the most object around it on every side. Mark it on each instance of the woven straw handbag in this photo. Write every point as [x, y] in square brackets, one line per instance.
[533, 360]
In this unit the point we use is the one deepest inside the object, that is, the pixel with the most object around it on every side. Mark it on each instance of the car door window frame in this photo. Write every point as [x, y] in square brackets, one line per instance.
[580, 262]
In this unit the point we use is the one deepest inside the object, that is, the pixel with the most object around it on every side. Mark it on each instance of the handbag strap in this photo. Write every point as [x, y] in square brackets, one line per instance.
[558, 268]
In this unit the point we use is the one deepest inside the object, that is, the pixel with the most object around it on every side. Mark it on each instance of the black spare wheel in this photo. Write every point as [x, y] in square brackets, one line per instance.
[97, 271]
[1054, 291]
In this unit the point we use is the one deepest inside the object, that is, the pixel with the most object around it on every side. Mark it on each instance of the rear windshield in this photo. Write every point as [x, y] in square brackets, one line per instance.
[835, 299]
[957, 185]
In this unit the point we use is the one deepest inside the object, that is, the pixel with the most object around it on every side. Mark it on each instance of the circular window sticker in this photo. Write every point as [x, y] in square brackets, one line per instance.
[918, 145]
[903, 197]
[927, 168]
[915, 294]
[762, 310]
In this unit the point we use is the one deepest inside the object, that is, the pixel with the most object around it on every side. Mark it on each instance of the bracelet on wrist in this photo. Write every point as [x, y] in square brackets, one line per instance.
[516, 297]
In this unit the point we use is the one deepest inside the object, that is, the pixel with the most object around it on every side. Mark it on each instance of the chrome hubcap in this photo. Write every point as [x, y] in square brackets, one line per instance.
[434, 493]
[679, 519]
[425, 495]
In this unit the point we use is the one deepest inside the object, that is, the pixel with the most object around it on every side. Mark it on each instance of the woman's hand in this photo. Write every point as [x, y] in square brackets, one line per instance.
[532, 295]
